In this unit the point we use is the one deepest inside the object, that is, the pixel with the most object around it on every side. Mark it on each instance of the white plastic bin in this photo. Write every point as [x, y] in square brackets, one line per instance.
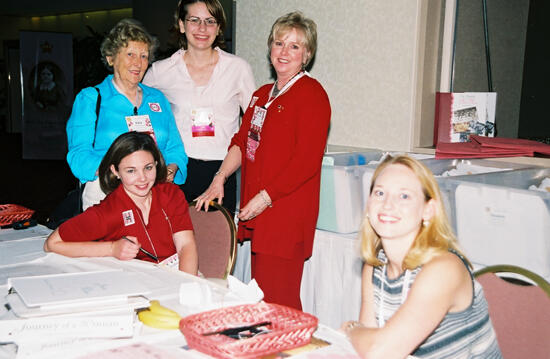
[463, 168]
[340, 203]
[500, 221]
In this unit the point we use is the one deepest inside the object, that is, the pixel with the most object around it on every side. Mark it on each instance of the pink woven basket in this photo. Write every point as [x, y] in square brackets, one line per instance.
[10, 213]
[289, 328]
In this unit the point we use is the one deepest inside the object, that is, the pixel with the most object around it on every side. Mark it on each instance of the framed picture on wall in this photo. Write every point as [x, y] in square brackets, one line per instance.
[47, 92]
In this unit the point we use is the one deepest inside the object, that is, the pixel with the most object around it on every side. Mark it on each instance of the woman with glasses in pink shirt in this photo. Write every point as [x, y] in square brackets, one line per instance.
[207, 88]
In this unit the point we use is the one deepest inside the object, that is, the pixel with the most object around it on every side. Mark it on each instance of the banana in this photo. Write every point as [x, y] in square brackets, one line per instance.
[155, 307]
[159, 317]
[159, 321]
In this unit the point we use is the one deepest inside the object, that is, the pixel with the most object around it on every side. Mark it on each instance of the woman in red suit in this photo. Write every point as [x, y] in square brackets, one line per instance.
[279, 148]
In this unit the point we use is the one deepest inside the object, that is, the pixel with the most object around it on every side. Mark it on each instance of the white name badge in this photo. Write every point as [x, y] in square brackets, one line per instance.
[141, 123]
[128, 217]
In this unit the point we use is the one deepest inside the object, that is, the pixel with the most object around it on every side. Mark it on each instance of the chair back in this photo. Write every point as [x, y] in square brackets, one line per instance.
[216, 240]
[520, 313]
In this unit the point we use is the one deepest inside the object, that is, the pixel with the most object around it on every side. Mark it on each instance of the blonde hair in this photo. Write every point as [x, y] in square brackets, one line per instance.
[432, 240]
[296, 20]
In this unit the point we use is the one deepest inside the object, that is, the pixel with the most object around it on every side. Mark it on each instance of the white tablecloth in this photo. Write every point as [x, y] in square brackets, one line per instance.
[164, 285]
[331, 283]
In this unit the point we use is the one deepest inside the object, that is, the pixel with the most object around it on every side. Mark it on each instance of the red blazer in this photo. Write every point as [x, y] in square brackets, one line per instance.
[287, 165]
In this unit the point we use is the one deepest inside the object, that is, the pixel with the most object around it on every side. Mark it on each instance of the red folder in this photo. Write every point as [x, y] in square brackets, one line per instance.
[443, 115]
[483, 147]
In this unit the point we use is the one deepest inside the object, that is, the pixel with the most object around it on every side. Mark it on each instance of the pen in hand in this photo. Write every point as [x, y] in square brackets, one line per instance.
[143, 250]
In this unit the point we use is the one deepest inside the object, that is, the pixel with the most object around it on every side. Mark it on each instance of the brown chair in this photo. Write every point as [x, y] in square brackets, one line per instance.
[519, 310]
[216, 239]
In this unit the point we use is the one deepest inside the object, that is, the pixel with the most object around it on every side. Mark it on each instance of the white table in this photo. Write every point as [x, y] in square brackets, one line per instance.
[331, 283]
[28, 259]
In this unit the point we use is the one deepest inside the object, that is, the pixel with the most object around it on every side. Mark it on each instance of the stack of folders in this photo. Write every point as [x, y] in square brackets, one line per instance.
[84, 305]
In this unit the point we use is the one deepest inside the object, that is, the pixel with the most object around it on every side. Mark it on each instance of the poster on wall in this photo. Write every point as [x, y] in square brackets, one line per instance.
[460, 114]
[47, 92]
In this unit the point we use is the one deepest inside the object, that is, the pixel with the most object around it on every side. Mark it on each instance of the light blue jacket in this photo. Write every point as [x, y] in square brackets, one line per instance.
[84, 159]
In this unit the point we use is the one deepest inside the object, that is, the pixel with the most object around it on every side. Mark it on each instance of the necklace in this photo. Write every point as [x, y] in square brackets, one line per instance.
[275, 89]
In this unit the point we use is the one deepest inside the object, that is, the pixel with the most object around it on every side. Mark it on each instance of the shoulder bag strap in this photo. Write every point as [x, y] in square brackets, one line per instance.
[97, 107]
[81, 186]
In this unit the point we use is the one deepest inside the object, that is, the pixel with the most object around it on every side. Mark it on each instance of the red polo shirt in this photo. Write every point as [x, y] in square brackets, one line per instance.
[118, 216]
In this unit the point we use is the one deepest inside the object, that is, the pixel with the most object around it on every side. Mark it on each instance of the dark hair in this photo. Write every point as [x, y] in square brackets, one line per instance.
[125, 145]
[127, 30]
[214, 7]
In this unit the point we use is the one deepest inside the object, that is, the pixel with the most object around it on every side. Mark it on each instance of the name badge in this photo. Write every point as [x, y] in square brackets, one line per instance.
[252, 144]
[202, 122]
[128, 217]
[258, 118]
[141, 123]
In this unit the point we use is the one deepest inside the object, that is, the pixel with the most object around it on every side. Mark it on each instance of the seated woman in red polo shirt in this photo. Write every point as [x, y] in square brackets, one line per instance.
[142, 217]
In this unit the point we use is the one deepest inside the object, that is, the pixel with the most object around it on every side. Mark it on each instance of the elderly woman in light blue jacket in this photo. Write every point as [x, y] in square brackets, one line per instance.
[124, 105]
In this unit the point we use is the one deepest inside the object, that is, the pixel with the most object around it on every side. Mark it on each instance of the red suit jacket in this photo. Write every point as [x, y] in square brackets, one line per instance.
[287, 165]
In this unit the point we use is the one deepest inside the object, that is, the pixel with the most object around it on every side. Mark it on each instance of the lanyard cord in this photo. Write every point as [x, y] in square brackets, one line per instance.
[404, 293]
[147, 233]
[288, 85]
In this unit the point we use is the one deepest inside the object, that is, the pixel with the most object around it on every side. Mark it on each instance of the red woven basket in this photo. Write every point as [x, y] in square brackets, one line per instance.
[10, 213]
[289, 328]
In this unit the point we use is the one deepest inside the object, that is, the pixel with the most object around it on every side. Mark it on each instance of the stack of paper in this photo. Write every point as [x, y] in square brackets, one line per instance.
[484, 147]
[69, 293]
[53, 311]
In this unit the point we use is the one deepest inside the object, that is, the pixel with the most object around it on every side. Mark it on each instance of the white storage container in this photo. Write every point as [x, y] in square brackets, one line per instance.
[500, 221]
[456, 168]
[463, 168]
[340, 203]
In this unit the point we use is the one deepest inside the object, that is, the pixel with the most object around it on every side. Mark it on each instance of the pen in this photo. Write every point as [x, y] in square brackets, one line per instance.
[143, 250]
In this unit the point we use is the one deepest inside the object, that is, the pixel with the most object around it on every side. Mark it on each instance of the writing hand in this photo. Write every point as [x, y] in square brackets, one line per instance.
[125, 248]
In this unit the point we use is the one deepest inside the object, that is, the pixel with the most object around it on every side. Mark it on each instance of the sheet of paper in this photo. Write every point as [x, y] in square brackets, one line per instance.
[27, 270]
[138, 350]
[10, 234]
[58, 347]
[107, 326]
[21, 251]
[69, 288]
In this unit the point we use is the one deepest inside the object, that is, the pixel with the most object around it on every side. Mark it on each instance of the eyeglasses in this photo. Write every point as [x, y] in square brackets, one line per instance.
[196, 21]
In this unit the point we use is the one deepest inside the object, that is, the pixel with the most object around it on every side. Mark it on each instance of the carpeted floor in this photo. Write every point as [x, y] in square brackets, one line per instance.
[35, 184]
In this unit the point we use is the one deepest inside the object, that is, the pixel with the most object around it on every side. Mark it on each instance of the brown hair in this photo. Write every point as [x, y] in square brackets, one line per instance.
[125, 145]
[214, 7]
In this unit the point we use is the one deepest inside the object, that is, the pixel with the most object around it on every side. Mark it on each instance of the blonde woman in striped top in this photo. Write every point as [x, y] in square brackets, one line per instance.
[418, 294]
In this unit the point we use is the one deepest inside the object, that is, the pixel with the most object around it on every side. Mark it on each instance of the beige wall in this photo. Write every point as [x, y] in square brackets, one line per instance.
[370, 59]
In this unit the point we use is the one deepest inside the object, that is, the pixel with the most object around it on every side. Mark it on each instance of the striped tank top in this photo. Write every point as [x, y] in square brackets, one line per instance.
[461, 335]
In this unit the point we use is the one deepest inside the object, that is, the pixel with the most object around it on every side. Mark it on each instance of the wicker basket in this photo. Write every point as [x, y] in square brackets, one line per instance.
[10, 213]
[289, 328]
